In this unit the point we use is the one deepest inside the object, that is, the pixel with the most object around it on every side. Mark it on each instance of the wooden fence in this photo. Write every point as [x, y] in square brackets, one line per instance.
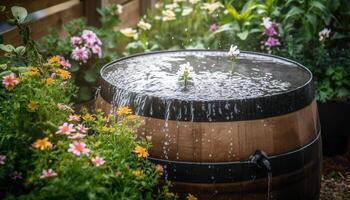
[54, 13]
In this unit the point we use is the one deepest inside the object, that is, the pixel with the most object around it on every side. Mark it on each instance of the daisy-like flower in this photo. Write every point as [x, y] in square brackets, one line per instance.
[272, 42]
[119, 9]
[233, 52]
[54, 59]
[97, 161]
[96, 49]
[65, 63]
[42, 144]
[64, 107]
[324, 34]
[136, 173]
[191, 197]
[88, 117]
[80, 54]
[81, 128]
[124, 111]
[2, 159]
[213, 27]
[168, 15]
[10, 81]
[212, 7]
[159, 168]
[78, 148]
[186, 11]
[89, 36]
[171, 6]
[32, 71]
[32, 106]
[267, 23]
[65, 129]
[141, 152]
[48, 173]
[144, 25]
[64, 74]
[74, 118]
[16, 175]
[50, 81]
[129, 32]
[77, 136]
[75, 40]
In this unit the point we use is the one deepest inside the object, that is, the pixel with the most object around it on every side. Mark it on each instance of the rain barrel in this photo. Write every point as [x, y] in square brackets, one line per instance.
[239, 130]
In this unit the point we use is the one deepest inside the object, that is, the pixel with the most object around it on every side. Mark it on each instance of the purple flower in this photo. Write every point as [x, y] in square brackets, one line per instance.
[270, 31]
[89, 37]
[271, 42]
[2, 159]
[65, 63]
[80, 54]
[97, 50]
[213, 27]
[16, 175]
[75, 40]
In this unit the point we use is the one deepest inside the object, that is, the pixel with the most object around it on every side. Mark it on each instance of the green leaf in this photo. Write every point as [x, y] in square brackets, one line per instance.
[3, 66]
[233, 12]
[4, 73]
[7, 48]
[20, 50]
[90, 76]
[74, 67]
[2, 9]
[19, 13]
[243, 35]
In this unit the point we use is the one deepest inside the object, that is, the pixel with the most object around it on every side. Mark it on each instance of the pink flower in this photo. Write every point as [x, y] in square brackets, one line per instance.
[213, 27]
[75, 40]
[2, 159]
[16, 175]
[77, 136]
[65, 63]
[48, 173]
[98, 161]
[81, 128]
[96, 49]
[89, 36]
[80, 54]
[78, 148]
[271, 31]
[9, 81]
[98, 42]
[65, 129]
[271, 42]
[73, 118]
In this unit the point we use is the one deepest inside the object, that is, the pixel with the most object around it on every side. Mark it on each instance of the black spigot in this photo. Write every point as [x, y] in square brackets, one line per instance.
[260, 160]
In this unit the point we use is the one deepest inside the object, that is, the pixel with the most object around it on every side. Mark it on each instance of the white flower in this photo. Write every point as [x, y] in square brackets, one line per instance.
[186, 11]
[193, 1]
[233, 52]
[157, 5]
[178, 1]
[185, 70]
[171, 6]
[266, 22]
[144, 25]
[324, 34]
[119, 9]
[212, 7]
[129, 32]
[168, 15]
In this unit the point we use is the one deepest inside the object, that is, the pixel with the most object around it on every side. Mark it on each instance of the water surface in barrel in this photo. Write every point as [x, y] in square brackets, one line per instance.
[213, 79]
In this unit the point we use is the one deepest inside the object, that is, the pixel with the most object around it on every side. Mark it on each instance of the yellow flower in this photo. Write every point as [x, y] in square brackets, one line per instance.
[136, 173]
[50, 81]
[64, 74]
[54, 60]
[124, 111]
[32, 71]
[32, 106]
[104, 129]
[170, 194]
[88, 117]
[42, 144]
[191, 197]
[129, 32]
[168, 15]
[141, 152]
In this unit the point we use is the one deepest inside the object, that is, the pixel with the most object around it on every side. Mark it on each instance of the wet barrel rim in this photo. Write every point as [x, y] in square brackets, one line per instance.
[269, 106]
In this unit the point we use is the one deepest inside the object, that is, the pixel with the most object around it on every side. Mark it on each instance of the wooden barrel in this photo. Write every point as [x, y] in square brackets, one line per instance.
[206, 147]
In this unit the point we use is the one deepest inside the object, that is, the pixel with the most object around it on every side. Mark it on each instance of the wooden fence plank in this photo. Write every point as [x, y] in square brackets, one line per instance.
[131, 14]
[90, 12]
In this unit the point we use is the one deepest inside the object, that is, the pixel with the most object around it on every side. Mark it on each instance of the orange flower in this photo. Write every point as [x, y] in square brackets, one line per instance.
[136, 173]
[64, 74]
[32, 106]
[32, 71]
[50, 81]
[42, 144]
[88, 117]
[191, 197]
[141, 152]
[124, 111]
[54, 60]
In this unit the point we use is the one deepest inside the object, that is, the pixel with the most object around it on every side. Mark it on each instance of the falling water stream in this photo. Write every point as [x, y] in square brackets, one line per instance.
[155, 75]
